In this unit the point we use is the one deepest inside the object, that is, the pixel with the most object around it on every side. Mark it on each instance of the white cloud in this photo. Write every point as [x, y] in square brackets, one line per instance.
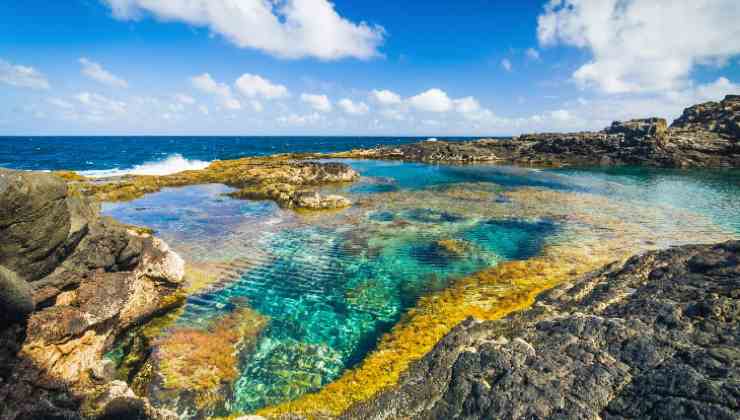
[386, 97]
[99, 107]
[252, 86]
[300, 120]
[561, 115]
[392, 114]
[471, 110]
[532, 54]
[22, 76]
[203, 110]
[290, 28]
[185, 99]
[96, 72]
[317, 102]
[433, 100]
[506, 64]
[353, 108]
[642, 45]
[232, 104]
[207, 84]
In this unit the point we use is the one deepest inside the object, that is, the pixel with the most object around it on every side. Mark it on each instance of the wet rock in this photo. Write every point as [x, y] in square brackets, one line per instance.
[655, 337]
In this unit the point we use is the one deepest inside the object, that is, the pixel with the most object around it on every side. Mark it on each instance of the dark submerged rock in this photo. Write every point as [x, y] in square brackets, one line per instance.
[655, 337]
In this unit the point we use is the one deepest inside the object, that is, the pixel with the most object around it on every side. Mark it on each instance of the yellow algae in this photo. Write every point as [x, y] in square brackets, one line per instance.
[246, 172]
[595, 232]
[203, 360]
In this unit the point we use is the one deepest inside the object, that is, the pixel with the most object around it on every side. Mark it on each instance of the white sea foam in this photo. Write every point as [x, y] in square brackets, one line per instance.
[171, 165]
[431, 139]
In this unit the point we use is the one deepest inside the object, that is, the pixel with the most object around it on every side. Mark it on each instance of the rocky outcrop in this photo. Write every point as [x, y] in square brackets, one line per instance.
[276, 178]
[707, 135]
[71, 282]
[289, 196]
[655, 337]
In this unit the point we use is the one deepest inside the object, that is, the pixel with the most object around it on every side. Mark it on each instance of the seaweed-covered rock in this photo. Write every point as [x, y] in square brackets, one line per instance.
[655, 337]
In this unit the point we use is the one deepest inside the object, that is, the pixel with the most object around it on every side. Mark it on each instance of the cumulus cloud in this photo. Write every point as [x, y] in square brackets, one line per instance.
[253, 86]
[642, 45]
[433, 100]
[205, 83]
[22, 76]
[352, 108]
[96, 72]
[317, 102]
[386, 97]
[506, 64]
[289, 28]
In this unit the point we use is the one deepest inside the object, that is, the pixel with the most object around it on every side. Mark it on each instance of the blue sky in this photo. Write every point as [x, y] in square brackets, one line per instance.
[435, 67]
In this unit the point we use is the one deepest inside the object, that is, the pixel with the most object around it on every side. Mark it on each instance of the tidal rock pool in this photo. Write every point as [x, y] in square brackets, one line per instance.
[282, 304]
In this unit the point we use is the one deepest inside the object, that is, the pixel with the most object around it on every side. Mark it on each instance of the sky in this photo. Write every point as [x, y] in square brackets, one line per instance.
[317, 67]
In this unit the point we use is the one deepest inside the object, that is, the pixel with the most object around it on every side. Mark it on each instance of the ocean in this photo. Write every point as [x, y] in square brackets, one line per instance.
[110, 156]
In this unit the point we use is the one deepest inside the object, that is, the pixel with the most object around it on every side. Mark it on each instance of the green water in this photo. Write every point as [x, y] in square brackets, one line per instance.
[332, 285]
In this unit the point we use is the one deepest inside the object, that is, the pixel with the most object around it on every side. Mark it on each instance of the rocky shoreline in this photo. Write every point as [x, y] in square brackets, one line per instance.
[655, 337]
[71, 282]
[705, 136]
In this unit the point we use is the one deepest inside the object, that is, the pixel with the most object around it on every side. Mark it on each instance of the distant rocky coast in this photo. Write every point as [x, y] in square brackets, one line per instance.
[705, 136]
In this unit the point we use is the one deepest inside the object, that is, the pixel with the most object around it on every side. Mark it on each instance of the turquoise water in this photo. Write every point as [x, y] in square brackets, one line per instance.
[331, 285]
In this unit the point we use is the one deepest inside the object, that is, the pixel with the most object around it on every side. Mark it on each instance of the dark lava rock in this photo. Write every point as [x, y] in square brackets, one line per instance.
[707, 135]
[656, 337]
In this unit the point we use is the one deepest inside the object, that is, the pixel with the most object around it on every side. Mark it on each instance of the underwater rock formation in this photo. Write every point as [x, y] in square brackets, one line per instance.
[706, 135]
[655, 337]
[75, 281]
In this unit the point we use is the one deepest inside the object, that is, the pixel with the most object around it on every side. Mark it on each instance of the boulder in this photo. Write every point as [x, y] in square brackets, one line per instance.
[16, 300]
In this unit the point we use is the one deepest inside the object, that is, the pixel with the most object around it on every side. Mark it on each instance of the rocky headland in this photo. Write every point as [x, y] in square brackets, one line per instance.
[706, 135]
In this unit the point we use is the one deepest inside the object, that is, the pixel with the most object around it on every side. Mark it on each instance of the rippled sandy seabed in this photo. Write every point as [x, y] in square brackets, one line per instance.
[312, 312]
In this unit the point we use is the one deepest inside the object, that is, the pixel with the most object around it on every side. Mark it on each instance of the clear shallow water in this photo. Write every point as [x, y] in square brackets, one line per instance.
[332, 284]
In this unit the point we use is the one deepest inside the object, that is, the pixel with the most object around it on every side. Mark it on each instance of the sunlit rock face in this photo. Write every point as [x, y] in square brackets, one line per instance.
[88, 280]
[343, 303]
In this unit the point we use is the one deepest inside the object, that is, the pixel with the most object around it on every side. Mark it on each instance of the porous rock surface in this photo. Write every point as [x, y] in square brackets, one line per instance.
[657, 337]
[72, 281]
[706, 135]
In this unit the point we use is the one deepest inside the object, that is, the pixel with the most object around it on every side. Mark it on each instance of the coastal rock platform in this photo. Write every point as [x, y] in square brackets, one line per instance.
[655, 337]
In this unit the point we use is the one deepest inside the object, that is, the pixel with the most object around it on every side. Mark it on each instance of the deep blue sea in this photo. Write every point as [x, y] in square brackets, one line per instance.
[160, 155]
